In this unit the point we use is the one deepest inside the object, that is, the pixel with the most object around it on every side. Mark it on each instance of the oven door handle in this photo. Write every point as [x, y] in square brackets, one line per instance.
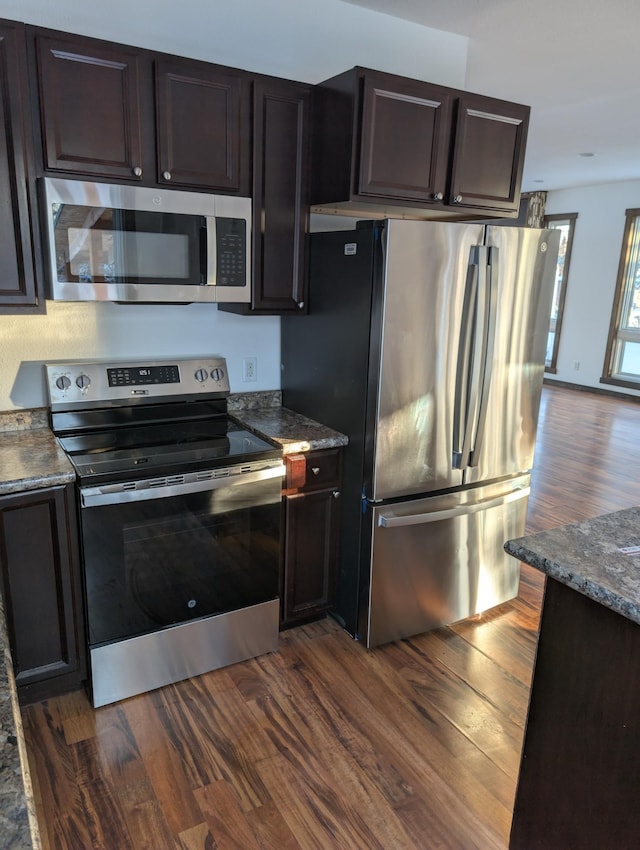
[117, 494]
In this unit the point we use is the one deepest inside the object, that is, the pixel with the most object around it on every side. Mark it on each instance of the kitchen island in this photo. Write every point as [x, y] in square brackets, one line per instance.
[579, 782]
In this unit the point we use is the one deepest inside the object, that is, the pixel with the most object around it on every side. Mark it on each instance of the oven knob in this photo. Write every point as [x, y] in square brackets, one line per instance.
[217, 374]
[201, 375]
[63, 382]
[83, 381]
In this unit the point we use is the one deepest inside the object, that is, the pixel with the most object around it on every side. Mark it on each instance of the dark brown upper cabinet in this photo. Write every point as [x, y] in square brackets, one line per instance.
[114, 112]
[281, 152]
[202, 125]
[18, 220]
[90, 107]
[384, 142]
[488, 153]
[409, 165]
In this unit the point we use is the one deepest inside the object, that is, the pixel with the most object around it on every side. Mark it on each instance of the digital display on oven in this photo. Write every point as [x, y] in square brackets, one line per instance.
[135, 376]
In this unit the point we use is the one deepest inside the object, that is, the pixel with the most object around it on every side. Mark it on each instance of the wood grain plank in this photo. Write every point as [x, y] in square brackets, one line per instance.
[324, 814]
[197, 838]
[226, 820]
[145, 820]
[54, 763]
[482, 674]
[217, 737]
[469, 711]
[271, 829]
[163, 762]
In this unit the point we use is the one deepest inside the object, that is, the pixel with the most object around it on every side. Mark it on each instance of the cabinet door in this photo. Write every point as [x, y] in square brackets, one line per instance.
[90, 107]
[17, 273]
[310, 555]
[281, 142]
[405, 138]
[489, 153]
[40, 583]
[202, 126]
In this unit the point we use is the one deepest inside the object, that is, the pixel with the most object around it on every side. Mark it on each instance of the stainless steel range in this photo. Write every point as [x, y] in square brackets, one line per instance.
[180, 520]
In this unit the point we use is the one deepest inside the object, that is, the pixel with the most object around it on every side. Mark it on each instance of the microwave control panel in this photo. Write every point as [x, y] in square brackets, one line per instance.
[231, 246]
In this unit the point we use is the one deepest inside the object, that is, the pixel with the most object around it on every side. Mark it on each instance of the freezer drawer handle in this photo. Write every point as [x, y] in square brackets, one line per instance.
[392, 521]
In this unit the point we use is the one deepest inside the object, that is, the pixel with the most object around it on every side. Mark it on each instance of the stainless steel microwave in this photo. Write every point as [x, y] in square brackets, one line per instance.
[137, 244]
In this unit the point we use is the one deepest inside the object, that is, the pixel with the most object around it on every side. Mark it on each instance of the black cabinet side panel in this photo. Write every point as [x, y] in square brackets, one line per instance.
[325, 360]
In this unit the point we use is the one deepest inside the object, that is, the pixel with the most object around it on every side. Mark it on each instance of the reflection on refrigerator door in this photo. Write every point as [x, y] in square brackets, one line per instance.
[438, 560]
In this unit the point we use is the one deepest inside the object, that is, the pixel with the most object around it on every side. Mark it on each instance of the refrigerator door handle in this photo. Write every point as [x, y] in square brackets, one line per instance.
[488, 344]
[391, 520]
[470, 361]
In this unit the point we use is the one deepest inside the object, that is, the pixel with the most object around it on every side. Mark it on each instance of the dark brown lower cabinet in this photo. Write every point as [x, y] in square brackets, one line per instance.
[311, 517]
[41, 586]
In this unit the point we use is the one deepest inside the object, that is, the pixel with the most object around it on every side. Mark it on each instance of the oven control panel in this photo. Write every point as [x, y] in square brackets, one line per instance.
[79, 384]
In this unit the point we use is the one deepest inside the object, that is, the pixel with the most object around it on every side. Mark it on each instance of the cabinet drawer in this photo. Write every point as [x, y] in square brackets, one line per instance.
[313, 470]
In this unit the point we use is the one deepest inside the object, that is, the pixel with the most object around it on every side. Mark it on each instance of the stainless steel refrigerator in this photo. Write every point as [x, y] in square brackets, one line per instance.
[425, 345]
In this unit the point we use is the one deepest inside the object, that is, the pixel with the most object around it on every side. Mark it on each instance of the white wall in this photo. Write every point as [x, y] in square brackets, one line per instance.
[304, 40]
[123, 331]
[592, 276]
[307, 40]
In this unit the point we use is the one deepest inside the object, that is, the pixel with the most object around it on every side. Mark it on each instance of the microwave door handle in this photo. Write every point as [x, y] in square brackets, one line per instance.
[212, 260]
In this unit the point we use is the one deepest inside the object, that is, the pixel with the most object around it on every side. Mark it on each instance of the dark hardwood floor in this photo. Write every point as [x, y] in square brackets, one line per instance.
[415, 745]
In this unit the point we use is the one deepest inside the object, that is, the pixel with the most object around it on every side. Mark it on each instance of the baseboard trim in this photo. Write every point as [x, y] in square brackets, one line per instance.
[550, 382]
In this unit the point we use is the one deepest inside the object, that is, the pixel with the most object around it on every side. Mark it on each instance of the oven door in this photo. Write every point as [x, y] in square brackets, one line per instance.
[167, 552]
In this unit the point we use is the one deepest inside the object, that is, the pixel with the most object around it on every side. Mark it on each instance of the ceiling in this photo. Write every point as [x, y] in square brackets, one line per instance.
[575, 62]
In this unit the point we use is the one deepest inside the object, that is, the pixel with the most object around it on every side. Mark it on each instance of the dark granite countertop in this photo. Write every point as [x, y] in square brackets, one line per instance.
[599, 558]
[289, 430]
[18, 825]
[262, 413]
[32, 460]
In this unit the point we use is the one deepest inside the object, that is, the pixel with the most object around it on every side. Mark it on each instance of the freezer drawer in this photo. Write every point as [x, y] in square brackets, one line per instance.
[437, 560]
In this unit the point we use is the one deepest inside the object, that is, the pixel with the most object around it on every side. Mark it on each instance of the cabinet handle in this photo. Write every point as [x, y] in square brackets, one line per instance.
[438, 196]
[457, 199]
[336, 494]
[137, 171]
[315, 470]
[301, 304]
[166, 175]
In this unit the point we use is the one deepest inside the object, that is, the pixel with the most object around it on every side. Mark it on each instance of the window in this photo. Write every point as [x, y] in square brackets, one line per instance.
[622, 362]
[565, 224]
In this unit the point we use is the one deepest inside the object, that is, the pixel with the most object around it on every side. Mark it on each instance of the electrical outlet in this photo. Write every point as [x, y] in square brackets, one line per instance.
[250, 369]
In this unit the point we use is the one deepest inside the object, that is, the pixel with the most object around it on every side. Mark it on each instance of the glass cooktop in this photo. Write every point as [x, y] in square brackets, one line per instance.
[161, 449]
